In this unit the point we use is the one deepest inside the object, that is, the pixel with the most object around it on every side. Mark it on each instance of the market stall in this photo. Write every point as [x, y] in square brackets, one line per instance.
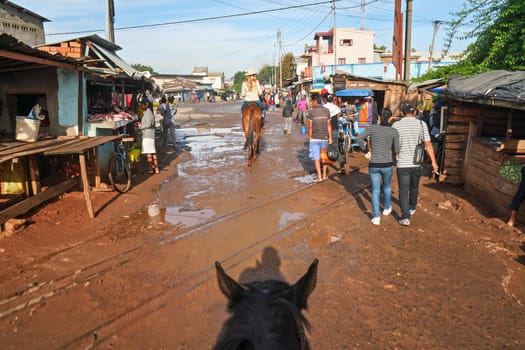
[484, 133]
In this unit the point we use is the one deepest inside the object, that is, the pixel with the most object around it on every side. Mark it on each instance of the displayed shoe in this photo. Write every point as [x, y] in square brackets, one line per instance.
[387, 211]
[412, 212]
[376, 220]
[404, 222]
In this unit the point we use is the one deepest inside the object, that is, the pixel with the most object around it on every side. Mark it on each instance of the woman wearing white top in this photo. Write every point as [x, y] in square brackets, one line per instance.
[251, 90]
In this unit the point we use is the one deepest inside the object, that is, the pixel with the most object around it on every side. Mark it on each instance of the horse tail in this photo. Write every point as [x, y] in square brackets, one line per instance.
[251, 129]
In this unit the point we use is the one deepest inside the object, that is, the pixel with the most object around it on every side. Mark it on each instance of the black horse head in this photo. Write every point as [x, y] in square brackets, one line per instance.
[266, 314]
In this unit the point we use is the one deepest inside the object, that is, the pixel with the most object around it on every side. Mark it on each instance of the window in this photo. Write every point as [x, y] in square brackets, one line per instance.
[361, 60]
[346, 42]
[341, 61]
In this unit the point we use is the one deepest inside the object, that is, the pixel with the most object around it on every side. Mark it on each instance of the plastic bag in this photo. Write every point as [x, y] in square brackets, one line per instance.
[34, 113]
[333, 152]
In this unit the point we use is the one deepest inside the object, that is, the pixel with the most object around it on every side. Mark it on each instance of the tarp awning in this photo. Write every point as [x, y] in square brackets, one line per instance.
[354, 92]
[492, 85]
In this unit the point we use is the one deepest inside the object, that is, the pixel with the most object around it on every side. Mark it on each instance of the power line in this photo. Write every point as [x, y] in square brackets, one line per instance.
[310, 33]
[199, 19]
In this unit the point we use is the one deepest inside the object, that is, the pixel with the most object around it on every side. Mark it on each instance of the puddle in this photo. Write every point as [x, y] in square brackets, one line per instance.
[287, 217]
[187, 217]
[195, 194]
[210, 147]
[307, 179]
[324, 240]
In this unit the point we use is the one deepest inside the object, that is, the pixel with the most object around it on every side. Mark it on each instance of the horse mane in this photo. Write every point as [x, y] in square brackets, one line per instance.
[263, 317]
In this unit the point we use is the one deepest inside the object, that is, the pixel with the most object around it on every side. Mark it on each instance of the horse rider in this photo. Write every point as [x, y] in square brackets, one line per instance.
[251, 92]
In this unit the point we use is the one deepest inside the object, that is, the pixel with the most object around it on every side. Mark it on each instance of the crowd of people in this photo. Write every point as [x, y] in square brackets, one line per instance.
[389, 143]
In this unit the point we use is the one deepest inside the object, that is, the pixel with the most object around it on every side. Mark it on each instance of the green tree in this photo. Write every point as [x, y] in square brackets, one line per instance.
[265, 74]
[288, 64]
[498, 34]
[238, 78]
[143, 68]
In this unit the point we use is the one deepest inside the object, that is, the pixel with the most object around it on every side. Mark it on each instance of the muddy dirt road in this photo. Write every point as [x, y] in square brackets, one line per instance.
[454, 279]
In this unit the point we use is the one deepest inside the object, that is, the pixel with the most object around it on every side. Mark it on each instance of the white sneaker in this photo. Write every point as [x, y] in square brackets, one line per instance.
[412, 211]
[404, 222]
[387, 211]
[376, 220]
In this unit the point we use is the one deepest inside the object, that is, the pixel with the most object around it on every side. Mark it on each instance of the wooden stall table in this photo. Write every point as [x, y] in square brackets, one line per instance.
[79, 145]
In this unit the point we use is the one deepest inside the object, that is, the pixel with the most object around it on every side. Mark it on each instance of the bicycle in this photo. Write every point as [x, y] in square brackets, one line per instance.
[119, 168]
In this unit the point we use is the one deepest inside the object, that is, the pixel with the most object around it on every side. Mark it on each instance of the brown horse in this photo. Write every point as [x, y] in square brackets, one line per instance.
[252, 126]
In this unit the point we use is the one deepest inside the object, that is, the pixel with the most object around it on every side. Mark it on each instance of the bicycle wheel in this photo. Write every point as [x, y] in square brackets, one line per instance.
[119, 173]
[341, 144]
[347, 145]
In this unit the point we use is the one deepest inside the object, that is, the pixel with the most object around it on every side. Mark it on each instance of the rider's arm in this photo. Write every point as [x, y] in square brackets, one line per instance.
[244, 90]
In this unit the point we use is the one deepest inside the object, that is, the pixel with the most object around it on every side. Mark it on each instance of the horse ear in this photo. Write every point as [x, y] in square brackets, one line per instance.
[306, 285]
[228, 286]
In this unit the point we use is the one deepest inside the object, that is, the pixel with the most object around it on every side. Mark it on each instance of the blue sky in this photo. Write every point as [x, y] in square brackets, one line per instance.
[231, 43]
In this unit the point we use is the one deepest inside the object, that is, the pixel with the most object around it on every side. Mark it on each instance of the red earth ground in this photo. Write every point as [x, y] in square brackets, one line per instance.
[454, 279]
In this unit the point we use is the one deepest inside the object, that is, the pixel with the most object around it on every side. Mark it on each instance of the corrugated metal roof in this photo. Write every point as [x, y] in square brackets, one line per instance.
[113, 57]
[92, 38]
[16, 55]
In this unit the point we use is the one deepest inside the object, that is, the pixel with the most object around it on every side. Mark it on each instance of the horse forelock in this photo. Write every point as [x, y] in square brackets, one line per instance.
[264, 316]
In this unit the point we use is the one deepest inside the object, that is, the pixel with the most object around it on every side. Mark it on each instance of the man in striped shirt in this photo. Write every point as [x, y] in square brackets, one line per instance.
[410, 130]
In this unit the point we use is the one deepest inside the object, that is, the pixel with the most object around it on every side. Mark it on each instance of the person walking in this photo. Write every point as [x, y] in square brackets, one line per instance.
[288, 115]
[147, 125]
[410, 131]
[302, 110]
[164, 111]
[383, 139]
[335, 111]
[319, 134]
[434, 126]
[167, 123]
[518, 198]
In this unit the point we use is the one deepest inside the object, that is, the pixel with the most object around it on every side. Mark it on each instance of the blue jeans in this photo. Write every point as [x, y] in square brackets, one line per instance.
[378, 175]
[261, 106]
[408, 181]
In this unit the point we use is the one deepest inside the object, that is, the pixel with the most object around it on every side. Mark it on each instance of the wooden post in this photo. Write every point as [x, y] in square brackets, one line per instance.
[34, 174]
[97, 167]
[80, 109]
[470, 137]
[85, 184]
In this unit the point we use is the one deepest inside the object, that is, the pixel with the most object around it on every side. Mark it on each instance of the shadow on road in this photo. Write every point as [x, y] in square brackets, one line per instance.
[266, 269]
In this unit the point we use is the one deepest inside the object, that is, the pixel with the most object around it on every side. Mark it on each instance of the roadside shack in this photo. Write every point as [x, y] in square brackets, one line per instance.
[59, 149]
[484, 129]
[109, 91]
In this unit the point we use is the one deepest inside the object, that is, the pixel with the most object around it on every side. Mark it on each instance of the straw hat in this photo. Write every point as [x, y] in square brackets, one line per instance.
[250, 72]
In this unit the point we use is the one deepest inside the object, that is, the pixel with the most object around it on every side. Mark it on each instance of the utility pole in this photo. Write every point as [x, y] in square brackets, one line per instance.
[436, 27]
[110, 18]
[408, 35]
[280, 43]
[334, 39]
[362, 21]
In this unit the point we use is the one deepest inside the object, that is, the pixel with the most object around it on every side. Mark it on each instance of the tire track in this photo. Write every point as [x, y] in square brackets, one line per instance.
[44, 290]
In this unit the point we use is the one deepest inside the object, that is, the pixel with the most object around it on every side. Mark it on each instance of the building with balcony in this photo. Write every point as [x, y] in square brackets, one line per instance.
[352, 46]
